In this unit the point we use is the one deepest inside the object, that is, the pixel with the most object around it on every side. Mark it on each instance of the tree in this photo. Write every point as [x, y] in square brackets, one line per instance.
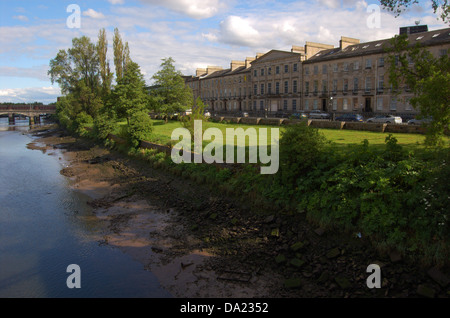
[170, 93]
[428, 77]
[85, 58]
[398, 6]
[105, 72]
[129, 95]
[198, 113]
[76, 70]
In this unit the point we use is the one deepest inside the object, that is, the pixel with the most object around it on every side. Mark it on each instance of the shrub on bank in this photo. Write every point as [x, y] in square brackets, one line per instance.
[140, 128]
[103, 126]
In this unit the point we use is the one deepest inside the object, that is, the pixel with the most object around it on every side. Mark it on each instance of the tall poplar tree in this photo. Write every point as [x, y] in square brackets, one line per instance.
[105, 72]
[118, 54]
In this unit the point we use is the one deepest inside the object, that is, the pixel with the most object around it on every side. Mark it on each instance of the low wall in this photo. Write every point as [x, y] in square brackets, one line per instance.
[150, 145]
[410, 129]
[378, 127]
[327, 124]
[271, 121]
[117, 139]
[230, 119]
[250, 120]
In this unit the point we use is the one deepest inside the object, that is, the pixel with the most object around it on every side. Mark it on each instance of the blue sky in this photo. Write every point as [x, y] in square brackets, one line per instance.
[195, 33]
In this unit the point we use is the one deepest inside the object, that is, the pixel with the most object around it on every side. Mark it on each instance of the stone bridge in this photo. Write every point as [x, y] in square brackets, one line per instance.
[33, 112]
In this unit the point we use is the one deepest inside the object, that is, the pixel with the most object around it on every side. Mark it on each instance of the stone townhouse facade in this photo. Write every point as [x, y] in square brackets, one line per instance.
[352, 77]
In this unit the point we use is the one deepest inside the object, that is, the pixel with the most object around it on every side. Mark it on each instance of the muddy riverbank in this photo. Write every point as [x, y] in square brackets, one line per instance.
[201, 243]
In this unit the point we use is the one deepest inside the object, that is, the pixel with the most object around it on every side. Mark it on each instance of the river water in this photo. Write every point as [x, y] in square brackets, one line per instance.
[44, 229]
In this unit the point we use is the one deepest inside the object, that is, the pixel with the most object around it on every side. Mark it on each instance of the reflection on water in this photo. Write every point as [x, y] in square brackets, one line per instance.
[45, 226]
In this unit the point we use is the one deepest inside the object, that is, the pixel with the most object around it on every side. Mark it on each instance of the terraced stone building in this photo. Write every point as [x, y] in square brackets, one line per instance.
[352, 77]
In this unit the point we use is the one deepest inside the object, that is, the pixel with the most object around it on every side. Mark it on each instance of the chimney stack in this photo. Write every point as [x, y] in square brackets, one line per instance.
[345, 41]
[236, 64]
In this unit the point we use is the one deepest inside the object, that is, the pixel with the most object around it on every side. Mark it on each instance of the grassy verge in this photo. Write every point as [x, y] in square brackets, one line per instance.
[386, 187]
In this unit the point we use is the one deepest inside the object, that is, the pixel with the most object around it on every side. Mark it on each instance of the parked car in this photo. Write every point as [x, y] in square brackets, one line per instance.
[299, 116]
[417, 121]
[386, 119]
[187, 112]
[242, 114]
[281, 114]
[318, 114]
[350, 117]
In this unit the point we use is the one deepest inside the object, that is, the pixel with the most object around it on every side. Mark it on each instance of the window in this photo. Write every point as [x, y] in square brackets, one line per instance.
[255, 73]
[355, 84]
[368, 85]
[324, 86]
[262, 89]
[262, 72]
[285, 104]
[261, 105]
[294, 86]
[345, 104]
[368, 63]
[254, 105]
[255, 90]
[294, 104]
[345, 67]
[408, 105]
[269, 88]
[393, 105]
[307, 70]
[380, 104]
[286, 87]
[306, 87]
[381, 62]
[277, 88]
[381, 83]
[335, 104]
[356, 66]
[316, 87]
[345, 86]
[315, 105]
[335, 81]
[295, 67]
[269, 71]
[277, 70]
[324, 69]
[316, 69]
[286, 68]
[335, 68]
[307, 104]
[355, 103]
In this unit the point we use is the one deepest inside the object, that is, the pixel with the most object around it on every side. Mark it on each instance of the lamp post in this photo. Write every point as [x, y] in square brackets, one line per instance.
[331, 107]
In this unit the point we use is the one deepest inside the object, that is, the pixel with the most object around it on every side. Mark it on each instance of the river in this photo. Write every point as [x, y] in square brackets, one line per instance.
[44, 229]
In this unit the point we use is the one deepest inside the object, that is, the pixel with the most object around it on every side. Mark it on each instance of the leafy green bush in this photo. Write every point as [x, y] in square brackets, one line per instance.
[301, 150]
[140, 128]
[103, 125]
[81, 121]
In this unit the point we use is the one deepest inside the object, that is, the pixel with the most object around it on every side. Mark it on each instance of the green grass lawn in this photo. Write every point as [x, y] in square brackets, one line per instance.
[340, 138]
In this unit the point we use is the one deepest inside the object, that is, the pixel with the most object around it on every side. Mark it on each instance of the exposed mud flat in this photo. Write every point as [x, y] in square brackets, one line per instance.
[200, 243]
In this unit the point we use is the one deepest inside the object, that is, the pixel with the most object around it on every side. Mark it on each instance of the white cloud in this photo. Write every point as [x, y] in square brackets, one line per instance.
[93, 14]
[239, 31]
[37, 72]
[116, 1]
[44, 95]
[197, 9]
[20, 18]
